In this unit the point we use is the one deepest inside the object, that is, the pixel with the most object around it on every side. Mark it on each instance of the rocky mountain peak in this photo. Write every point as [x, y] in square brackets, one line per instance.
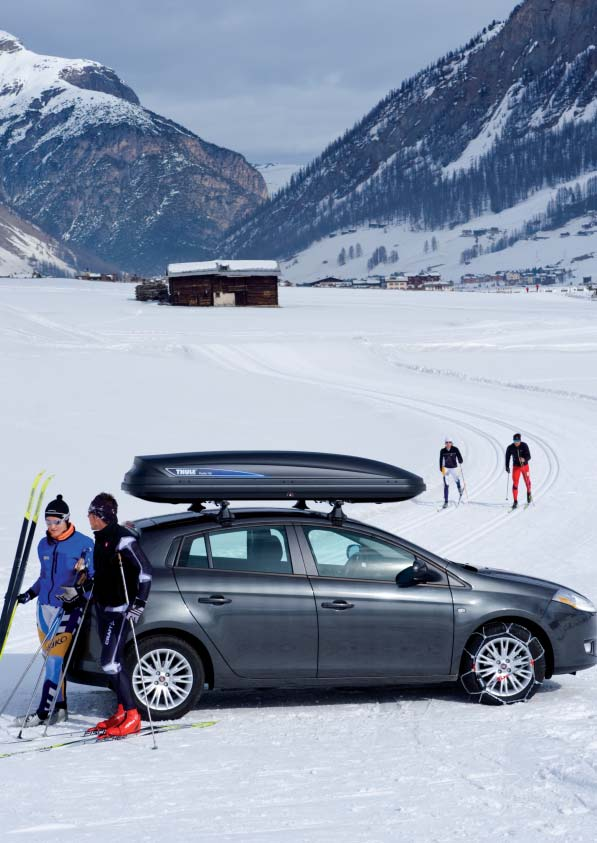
[9, 43]
[83, 160]
[95, 77]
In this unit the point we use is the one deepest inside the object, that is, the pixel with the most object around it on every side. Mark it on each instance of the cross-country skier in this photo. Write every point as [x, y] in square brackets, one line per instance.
[117, 551]
[520, 454]
[62, 589]
[449, 460]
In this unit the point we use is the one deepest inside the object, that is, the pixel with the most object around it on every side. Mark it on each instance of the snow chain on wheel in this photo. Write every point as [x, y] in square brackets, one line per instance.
[502, 663]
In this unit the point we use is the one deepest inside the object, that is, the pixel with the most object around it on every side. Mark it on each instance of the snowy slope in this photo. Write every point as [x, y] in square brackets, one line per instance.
[276, 175]
[563, 246]
[381, 374]
[24, 247]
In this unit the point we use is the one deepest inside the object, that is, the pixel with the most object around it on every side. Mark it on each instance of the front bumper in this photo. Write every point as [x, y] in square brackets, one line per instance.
[573, 636]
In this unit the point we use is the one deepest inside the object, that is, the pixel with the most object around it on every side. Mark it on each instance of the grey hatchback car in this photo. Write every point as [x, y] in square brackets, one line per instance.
[295, 598]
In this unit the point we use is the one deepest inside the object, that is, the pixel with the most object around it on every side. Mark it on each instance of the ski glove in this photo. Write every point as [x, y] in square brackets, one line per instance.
[135, 610]
[25, 597]
[72, 596]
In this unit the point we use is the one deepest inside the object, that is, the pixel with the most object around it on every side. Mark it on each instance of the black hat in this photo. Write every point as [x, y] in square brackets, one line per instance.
[517, 436]
[58, 507]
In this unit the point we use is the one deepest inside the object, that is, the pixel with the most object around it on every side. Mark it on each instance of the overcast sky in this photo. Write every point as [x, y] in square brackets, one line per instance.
[274, 79]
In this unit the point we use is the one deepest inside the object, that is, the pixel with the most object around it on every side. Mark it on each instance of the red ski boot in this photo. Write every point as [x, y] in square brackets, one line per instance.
[115, 720]
[130, 725]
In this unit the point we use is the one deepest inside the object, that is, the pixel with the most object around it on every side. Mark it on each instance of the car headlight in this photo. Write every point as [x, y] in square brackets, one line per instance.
[571, 598]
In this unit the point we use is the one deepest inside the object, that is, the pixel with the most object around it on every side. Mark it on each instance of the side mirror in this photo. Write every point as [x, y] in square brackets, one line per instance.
[420, 571]
[416, 573]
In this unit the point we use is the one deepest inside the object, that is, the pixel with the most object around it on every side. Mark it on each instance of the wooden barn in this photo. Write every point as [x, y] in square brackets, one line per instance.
[224, 283]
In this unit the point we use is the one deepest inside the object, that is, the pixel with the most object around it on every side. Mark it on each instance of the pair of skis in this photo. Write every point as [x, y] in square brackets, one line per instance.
[15, 582]
[94, 739]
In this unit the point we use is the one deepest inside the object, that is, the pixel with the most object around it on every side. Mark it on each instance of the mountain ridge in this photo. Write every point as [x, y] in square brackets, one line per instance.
[478, 131]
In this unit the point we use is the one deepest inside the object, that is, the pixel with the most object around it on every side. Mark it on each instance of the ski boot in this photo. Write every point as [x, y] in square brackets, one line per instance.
[515, 505]
[445, 506]
[27, 721]
[130, 725]
[59, 715]
[529, 498]
[115, 720]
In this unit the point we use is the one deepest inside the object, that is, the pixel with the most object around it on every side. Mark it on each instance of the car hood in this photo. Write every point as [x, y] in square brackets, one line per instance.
[510, 576]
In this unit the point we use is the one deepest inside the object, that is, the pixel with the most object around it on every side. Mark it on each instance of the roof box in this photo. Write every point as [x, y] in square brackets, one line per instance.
[267, 475]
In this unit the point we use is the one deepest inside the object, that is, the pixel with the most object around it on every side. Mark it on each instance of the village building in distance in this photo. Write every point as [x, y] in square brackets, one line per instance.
[381, 282]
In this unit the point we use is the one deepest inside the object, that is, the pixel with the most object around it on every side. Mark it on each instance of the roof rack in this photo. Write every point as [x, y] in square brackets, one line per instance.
[336, 514]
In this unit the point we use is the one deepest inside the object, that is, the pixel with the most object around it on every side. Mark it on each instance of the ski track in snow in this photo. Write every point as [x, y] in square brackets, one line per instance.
[236, 357]
[373, 765]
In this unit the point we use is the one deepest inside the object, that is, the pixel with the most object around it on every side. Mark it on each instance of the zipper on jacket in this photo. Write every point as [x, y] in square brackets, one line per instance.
[54, 566]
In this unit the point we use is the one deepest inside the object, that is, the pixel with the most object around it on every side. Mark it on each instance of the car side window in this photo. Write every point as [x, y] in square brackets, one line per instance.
[342, 553]
[193, 553]
[257, 549]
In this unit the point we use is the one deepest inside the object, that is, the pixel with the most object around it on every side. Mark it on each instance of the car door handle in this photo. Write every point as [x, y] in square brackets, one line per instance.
[214, 600]
[337, 604]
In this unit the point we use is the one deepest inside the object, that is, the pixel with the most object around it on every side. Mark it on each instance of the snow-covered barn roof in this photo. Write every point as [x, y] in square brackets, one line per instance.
[224, 267]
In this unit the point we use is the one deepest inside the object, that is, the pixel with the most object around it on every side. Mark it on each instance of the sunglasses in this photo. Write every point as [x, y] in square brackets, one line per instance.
[54, 522]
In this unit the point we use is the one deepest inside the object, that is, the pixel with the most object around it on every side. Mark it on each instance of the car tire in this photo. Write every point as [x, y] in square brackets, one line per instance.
[173, 672]
[502, 663]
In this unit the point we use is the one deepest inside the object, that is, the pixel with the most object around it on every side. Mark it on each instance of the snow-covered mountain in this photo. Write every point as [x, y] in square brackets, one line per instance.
[24, 248]
[85, 161]
[479, 132]
[277, 175]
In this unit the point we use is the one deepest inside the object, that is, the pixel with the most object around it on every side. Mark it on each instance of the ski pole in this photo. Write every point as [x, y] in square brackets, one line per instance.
[50, 634]
[126, 597]
[507, 484]
[464, 483]
[66, 664]
[54, 627]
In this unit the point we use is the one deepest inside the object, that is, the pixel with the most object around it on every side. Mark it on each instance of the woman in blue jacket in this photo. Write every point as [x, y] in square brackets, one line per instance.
[62, 588]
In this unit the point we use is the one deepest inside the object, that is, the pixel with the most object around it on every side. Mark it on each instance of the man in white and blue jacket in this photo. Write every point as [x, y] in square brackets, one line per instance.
[62, 590]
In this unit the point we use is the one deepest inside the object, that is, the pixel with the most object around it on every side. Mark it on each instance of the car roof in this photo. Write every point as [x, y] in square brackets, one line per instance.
[290, 515]
[211, 516]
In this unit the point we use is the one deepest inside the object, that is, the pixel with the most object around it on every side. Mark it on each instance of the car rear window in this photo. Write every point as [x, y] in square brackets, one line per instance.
[255, 549]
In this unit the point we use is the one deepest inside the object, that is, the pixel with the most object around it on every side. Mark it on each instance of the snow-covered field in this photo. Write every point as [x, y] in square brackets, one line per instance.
[90, 378]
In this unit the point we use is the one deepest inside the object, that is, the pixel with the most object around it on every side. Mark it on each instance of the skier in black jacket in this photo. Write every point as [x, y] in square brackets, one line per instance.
[449, 460]
[520, 455]
[117, 552]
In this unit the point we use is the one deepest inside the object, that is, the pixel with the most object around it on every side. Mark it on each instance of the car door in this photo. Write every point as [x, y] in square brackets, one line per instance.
[252, 597]
[369, 625]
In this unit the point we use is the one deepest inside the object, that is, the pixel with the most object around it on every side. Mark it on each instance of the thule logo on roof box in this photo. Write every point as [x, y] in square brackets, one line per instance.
[209, 472]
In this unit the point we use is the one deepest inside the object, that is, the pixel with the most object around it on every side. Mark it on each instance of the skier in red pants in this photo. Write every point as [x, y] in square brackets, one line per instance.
[519, 452]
